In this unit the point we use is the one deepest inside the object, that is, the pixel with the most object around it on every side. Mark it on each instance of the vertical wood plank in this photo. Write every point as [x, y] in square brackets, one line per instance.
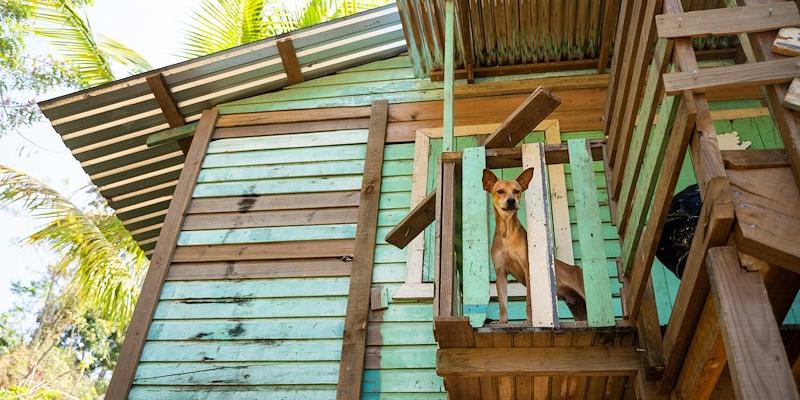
[355, 329]
[419, 184]
[756, 357]
[289, 59]
[599, 308]
[562, 230]
[135, 336]
[449, 73]
[444, 254]
[475, 236]
[541, 288]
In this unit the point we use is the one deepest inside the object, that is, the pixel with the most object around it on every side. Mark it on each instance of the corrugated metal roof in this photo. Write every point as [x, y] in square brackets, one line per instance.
[106, 127]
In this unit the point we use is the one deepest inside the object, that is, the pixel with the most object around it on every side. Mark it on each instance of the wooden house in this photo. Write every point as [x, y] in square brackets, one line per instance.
[266, 183]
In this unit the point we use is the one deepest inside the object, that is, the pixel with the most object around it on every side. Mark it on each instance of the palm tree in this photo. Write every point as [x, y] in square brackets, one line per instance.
[92, 55]
[102, 262]
[222, 24]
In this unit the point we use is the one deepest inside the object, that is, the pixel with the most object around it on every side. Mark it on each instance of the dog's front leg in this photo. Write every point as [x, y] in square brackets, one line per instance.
[502, 296]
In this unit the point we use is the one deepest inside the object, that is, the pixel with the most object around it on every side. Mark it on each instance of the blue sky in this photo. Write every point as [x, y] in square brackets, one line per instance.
[151, 27]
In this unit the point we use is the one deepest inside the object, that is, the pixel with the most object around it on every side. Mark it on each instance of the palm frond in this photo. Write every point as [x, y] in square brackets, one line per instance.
[91, 56]
[222, 24]
[102, 261]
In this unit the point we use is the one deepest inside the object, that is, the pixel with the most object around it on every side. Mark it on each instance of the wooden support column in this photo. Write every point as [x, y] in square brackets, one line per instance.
[169, 108]
[355, 326]
[135, 336]
[611, 11]
[756, 356]
[448, 141]
[465, 25]
[445, 268]
[788, 121]
[620, 42]
[289, 59]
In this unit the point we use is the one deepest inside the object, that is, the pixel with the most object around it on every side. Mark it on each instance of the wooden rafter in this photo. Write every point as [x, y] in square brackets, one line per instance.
[169, 108]
[135, 336]
[611, 11]
[289, 59]
[351, 368]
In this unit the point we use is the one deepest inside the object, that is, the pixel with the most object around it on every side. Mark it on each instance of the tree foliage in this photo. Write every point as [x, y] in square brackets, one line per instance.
[222, 24]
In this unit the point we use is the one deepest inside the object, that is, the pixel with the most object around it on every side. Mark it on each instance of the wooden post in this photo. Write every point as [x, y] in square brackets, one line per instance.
[599, 308]
[475, 237]
[449, 74]
[135, 336]
[354, 343]
[542, 286]
[289, 59]
[445, 258]
[756, 357]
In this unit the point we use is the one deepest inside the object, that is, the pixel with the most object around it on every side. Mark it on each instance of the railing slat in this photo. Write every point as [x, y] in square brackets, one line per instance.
[600, 311]
[475, 237]
[542, 288]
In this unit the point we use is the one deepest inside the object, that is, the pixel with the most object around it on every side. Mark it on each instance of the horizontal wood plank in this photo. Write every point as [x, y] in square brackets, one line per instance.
[265, 251]
[255, 219]
[524, 119]
[234, 270]
[753, 74]
[244, 204]
[728, 21]
[538, 361]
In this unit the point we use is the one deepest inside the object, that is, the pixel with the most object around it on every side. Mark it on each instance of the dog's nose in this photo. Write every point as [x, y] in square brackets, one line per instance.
[511, 202]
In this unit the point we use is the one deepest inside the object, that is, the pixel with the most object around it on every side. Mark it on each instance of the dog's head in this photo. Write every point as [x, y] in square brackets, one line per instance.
[505, 194]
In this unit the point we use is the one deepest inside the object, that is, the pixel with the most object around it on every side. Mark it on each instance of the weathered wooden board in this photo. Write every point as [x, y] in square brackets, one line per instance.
[728, 21]
[267, 235]
[598, 293]
[290, 141]
[475, 237]
[239, 307]
[255, 288]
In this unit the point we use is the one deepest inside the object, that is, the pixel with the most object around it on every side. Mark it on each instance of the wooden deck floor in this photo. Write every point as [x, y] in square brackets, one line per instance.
[519, 362]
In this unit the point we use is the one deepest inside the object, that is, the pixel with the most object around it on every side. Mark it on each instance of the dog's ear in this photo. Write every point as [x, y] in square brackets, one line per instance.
[525, 178]
[489, 179]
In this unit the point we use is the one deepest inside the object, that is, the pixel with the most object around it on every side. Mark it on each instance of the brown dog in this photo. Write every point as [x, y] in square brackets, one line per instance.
[510, 248]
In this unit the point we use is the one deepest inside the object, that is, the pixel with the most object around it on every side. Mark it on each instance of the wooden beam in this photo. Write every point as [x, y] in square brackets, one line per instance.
[165, 101]
[668, 178]
[424, 213]
[448, 141]
[519, 69]
[728, 21]
[620, 43]
[705, 360]
[611, 10]
[172, 135]
[135, 336]
[649, 330]
[465, 25]
[538, 361]
[351, 368]
[788, 121]
[760, 73]
[754, 159]
[756, 357]
[524, 119]
[448, 196]
[289, 59]
[713, 229]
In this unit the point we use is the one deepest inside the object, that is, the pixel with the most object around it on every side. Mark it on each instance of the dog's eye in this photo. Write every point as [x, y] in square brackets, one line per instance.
[516, 191]
[501, 191]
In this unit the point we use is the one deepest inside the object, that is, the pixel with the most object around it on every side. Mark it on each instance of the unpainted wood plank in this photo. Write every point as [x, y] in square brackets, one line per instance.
[611, 10]
[538, 361]
[235, 270]
[728, 21]
[289, 59]
[137, 331]
[355, 329]
[561, 384]
[422, 215]
[524, 119]
[600, 311]
[756, 358]
[792, 98]
[558, 199]
[505, 384]
[475, 237]
[541, 384]
[523, 385]
[165, 101]
[754, 159]
[713, 229]
[788, 121]
[760, 73]
[620, 44]
[419, 183]
[488, 384]
[542, 286]
[786, 42]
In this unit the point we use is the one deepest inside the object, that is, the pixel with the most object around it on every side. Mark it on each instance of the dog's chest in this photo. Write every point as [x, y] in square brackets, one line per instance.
[510, 254]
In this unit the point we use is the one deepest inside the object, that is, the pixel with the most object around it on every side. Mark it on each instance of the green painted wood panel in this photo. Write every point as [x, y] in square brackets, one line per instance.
[475, 237]
[265, 373]
[304, 155]
[296, 185]
[598, 294]
[252, 308]
[289, 141]
[315, 392]
[402, 381]
[267, 235]
[243, 351]
[255, 288]
[252, 329]
[294, 170]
